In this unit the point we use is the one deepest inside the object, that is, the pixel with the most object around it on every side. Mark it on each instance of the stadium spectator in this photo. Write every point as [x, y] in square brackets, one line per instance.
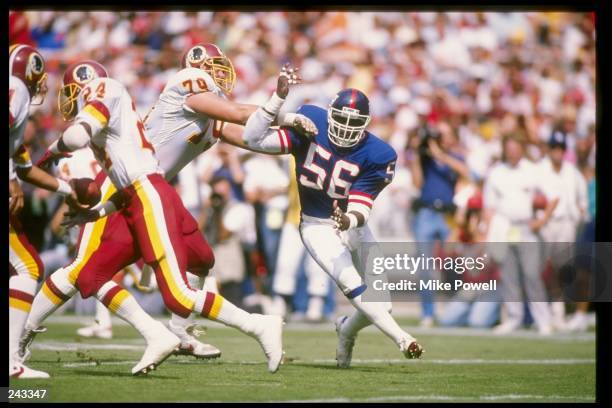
[509, 191]
[562, 181]
[473, 308]
[229, 223]
[435, 170]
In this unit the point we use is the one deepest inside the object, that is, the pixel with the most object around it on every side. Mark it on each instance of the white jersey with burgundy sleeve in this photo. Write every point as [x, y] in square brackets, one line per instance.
[177, 132]
[19, 106]
[118, 138]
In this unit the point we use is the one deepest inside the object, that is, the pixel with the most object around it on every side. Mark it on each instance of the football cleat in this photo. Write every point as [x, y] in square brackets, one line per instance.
[344, 350]
[18, 370]
[157, 351]
[269, 334]
[190, 345]
[411, 348]
[26, 340]
[506, 327]
[96, 330]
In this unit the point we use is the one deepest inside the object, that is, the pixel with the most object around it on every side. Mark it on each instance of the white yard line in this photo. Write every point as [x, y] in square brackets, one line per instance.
[329, 327]
[466, 361]
[450, 398]
[58, 346]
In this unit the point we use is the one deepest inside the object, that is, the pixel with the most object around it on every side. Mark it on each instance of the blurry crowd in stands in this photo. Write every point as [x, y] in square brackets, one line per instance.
[456, 94]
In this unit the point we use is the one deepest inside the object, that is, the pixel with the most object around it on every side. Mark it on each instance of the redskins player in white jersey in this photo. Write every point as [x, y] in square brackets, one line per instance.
[83, 164]
[155, 244]
[27, 86]
[190, 116]
[193, 111]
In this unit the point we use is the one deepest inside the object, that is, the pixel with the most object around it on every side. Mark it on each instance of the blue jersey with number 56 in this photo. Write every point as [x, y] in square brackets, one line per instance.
[325, 172]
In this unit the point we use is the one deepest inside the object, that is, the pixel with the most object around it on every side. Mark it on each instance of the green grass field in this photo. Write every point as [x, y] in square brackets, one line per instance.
[457, 366]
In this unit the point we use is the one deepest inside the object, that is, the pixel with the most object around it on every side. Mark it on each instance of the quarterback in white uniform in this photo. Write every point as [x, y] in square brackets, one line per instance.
[27, 86]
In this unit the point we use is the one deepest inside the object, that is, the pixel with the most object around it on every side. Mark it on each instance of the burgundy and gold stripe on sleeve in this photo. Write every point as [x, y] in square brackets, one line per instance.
[98, 110]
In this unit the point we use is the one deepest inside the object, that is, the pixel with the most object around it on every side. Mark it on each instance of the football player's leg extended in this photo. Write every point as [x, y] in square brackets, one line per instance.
[154, 222]
[334, 257]
[25, 271]
[200, 259]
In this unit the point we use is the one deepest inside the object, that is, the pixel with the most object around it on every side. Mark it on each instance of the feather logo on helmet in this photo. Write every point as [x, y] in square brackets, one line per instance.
[196, 55]
[83, 74]
[36, 66]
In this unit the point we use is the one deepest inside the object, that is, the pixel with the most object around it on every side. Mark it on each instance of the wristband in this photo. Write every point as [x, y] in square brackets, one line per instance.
[63, 187]
[273, 105]
[106, 208]
[353, 221]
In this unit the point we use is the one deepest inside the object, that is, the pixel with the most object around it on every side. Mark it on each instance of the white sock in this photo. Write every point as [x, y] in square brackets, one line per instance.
[315, 307]
[123, 304]
[195, 282]
[355, 323]
[103, 316]
[378, 314]
[56, 291]
[210, 284]
[215, 307]
[21, 294]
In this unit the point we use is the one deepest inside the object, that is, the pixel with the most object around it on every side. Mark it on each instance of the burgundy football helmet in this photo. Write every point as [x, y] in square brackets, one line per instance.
[212, 60]
[77, 75]
[27, 64]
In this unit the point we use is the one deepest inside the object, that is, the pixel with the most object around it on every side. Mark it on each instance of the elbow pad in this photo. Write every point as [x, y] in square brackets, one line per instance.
[75, 137]
[262, 118]
[256, 126]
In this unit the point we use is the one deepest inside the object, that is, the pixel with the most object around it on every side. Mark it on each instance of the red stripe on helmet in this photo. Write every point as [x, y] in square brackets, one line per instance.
[353, 98]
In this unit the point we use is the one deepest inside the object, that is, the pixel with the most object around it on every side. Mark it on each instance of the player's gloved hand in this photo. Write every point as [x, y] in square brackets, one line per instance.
[340, 219]
[300, 123]
[72, 201]
[74, 217]
[49, 157]
[288, 76]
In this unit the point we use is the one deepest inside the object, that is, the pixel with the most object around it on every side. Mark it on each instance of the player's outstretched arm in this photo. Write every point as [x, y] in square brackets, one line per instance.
[215, 107]
[38, 177]
[271, 141]
[16, 197]
[23, 168]
[257, 135]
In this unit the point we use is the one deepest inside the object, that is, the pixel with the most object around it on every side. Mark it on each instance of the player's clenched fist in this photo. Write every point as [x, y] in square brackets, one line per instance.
[340, 219]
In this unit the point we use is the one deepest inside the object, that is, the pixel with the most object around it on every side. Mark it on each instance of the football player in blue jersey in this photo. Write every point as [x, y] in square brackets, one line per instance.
[340, 169]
